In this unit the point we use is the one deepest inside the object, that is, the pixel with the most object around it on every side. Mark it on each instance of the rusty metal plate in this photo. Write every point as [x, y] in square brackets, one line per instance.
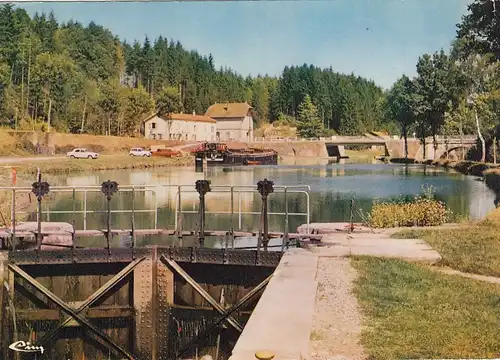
[119, 255]
[164, 298]
[142, 299]
[44, 256]
[271, 258]
[175, 253]
[241, 257]
[68, 256]
[210, 256]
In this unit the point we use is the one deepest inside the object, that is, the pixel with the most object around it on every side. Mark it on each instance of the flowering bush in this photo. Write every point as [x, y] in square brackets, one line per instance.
[421, 210]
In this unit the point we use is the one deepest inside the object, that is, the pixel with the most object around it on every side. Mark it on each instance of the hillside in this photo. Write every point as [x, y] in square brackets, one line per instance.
[24, 143]
[81, 78]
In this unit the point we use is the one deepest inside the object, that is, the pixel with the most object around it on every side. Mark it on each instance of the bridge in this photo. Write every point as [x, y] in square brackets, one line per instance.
[176, 299]
[394, 145]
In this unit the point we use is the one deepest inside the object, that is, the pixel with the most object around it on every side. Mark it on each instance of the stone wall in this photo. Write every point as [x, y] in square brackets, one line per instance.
[296, 148]
[395, 149]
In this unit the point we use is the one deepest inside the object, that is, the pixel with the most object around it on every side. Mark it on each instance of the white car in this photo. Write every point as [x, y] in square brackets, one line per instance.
[139, 152]
[82, 153]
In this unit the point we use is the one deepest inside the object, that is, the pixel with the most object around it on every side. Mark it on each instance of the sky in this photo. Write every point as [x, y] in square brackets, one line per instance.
[377, 39]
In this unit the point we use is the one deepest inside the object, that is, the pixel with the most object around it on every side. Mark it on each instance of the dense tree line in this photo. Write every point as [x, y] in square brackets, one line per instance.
[79, 78]
[455, 93]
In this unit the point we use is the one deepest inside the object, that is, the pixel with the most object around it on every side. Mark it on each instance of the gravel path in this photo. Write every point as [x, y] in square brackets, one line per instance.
[337, 321]
[14, 159]
[450, 271]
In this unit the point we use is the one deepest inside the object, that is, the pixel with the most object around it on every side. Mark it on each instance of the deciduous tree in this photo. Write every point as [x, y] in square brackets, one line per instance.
[401, 106]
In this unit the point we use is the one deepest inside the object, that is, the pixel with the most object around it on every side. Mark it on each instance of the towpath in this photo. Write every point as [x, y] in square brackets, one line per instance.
[308, 310]
[14, 160]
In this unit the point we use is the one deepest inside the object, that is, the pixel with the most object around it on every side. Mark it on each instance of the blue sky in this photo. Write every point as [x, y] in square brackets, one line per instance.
[378, 39]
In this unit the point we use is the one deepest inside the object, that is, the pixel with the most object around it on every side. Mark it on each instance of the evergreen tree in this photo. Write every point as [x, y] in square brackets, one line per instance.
[85, 74]
[309, 124]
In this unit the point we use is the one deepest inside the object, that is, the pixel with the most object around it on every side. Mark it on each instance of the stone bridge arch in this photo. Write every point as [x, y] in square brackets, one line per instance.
[459, 150]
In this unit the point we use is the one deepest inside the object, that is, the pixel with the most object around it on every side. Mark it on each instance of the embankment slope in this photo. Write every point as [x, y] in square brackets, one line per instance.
[25, 143]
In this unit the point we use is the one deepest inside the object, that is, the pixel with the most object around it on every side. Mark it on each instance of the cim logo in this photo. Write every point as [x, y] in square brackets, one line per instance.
[21, 346]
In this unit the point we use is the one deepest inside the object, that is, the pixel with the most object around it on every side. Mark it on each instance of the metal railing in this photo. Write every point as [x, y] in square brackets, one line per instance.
[242, 189]
[440, 138]
[235, 193]
[84, 190]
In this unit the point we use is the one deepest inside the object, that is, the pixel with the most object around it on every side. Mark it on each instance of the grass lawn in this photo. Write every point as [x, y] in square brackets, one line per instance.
[364, 156]
[473, 249]
[104, 162]
[413, 312]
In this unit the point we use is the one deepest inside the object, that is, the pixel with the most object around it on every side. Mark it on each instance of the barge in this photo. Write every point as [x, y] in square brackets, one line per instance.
[219, 154]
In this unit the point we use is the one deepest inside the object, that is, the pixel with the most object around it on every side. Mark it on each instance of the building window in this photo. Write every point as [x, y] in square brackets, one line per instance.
[153, 125]
[213, 128]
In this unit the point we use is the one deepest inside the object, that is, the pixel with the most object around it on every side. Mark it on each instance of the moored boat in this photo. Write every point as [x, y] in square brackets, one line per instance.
[220, 154]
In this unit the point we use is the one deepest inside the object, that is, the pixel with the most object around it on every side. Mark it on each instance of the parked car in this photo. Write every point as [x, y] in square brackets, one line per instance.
[81, 153]
[167, 153]
[139, 152]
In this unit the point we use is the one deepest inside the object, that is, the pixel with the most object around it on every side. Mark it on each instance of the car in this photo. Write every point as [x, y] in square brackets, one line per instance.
[82, 153]
[139, 152]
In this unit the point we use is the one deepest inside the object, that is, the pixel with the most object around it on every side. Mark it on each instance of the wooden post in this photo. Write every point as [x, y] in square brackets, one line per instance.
[3, 324]
[10, 300]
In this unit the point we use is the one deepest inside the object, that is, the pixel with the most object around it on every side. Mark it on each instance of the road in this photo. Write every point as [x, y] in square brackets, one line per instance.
[13, 160]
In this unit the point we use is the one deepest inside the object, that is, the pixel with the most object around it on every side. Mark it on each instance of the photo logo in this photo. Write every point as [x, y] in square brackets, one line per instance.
[21, 346]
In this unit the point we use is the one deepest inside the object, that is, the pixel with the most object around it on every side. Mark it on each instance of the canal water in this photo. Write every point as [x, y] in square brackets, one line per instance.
[332, 189]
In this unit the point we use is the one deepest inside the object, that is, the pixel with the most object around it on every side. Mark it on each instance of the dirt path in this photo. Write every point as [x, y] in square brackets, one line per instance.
[13, 160]
[337, 320]
[449, 271]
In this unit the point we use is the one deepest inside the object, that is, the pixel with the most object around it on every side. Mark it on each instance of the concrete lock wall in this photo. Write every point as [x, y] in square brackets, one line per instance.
[396, 149]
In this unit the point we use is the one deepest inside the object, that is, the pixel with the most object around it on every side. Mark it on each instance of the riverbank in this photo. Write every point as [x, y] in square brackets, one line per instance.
[462, 322]
[411, 311]
[471, 248]
[364, 156]
[62, 166]
[489, 172]
[104, 162]
[409, 306]
[24, 143]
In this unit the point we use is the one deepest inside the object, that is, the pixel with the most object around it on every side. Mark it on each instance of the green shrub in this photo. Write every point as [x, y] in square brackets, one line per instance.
[421, 210]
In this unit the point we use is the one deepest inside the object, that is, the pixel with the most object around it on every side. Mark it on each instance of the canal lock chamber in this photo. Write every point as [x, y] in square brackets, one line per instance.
[148, 307]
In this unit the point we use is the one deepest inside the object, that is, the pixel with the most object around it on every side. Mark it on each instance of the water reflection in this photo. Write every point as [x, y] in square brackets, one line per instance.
[332, 188]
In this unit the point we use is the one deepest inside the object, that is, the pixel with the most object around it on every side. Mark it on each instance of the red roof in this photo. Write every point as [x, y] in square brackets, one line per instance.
[184, 117]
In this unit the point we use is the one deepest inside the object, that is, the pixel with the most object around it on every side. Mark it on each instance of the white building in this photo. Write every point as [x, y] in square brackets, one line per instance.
[234, 121]
[180, 127]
